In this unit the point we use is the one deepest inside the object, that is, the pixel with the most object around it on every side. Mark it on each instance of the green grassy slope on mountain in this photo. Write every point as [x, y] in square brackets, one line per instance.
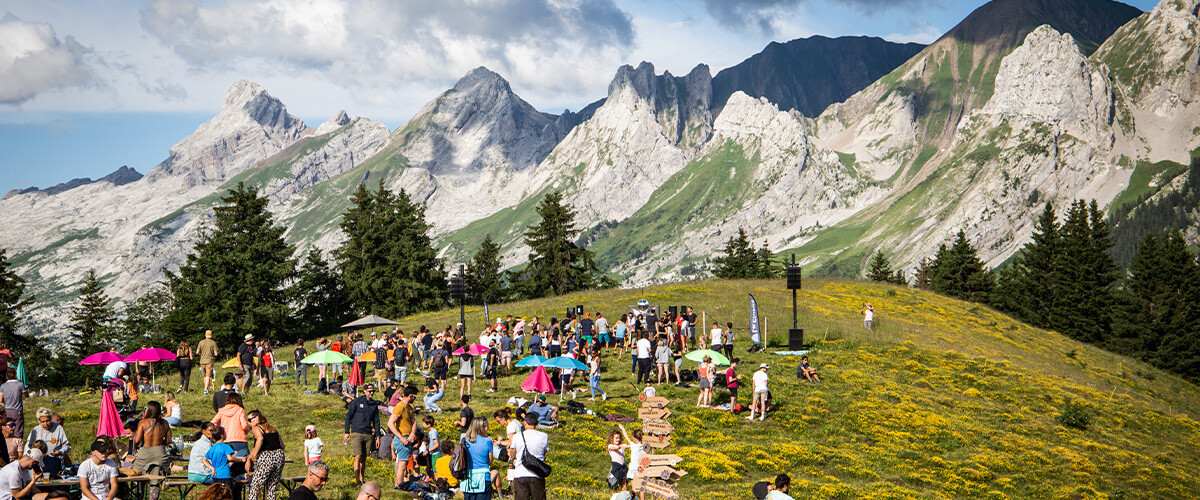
[945, 399]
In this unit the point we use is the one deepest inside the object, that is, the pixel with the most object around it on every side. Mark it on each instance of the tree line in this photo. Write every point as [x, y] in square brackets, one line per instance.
[241, 278]
[1068, 280]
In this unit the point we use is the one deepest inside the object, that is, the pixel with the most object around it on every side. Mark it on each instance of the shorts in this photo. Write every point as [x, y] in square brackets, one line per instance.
[248, 370]
[439, 373]
[705, 383]
[506, 357]
[733, 392]
[760, 396]
[266, 372]
[867, 323]
[403, 452]
[604, 339]
[360, 444]
[620, 341]
[489, 372]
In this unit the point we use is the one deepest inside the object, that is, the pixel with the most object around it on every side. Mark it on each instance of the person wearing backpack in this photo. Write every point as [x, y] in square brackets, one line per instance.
[526, 484]
[477, 485]
[441, 364]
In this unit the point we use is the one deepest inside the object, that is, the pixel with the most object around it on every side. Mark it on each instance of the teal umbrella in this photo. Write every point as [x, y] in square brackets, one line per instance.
[21, 371]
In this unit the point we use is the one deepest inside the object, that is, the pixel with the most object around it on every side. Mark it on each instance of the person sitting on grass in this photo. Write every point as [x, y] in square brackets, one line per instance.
[441, 467]
[619, 492]
[547, 415]
[783, 483]
[806, 372]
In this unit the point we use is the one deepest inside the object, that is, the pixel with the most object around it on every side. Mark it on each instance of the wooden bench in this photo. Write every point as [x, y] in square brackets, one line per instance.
[185, 487]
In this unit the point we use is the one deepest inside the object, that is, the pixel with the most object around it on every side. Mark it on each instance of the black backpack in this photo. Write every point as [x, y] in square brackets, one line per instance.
[460, 460]
[439, 361]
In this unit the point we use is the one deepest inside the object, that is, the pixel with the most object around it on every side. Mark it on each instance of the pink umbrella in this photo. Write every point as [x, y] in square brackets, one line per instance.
[150, 354]
[110, 420]
[473, 349]
[102, 358]
[538, 381]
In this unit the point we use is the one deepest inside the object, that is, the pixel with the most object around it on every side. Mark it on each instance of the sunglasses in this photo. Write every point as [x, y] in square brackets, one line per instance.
[322, 478]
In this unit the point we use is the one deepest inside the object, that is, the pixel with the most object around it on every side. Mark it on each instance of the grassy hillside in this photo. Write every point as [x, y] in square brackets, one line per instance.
[946, 399]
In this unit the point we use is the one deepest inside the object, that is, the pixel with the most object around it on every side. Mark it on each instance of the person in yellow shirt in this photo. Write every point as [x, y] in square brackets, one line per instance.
[404, 433]
[441, 468]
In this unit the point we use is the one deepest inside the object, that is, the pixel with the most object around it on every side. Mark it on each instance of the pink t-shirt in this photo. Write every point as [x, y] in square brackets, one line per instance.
[730, 378]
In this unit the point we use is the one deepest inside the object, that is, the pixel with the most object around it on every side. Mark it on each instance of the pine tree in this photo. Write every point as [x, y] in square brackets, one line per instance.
[484, 281]
[880, 269]
[319, 297]
[740, 261]
[388, 262]
[766, 266]
[93, 319]
[557, 265]
[234, 281]
[143, 318]
[957, 271]
[1157, 306]
[921, 279]
[12, 302]
[1036, 299]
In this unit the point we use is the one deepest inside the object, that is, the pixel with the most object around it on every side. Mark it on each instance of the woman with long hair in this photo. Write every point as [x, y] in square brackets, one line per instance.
[183, 360]
[478, 485]
[267, 457]
[706, 373]
[232, 418]
[151, 439]
[616, 454]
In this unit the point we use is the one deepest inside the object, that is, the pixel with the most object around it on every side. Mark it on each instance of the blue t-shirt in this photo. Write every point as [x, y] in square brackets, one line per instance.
[505, 344]
[543, 412]
[479, 452]
[431, 438]
[218, 455]
[620, 333]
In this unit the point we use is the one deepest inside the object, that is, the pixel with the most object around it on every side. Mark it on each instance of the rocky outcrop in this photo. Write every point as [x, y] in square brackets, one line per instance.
[335, 122]
[809, 74]
[680, 105]
[118, 177]
[251, 126]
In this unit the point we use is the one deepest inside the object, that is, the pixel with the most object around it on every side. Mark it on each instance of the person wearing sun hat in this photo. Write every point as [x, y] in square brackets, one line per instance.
[759, 399]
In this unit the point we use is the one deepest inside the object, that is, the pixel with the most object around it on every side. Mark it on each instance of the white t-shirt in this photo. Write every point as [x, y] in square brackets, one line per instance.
[98, 476]
[621, 495]
[716, 334]
[868, 314]
[643, 348]
[13, 477]
[313, 447]
[539, 444]
[113, 368]
[635, 455]
[760, 380]
[602, 325]
[514, 427]
[568, 371]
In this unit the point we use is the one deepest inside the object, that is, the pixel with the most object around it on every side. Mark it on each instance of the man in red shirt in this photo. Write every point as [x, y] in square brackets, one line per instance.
[731, 382]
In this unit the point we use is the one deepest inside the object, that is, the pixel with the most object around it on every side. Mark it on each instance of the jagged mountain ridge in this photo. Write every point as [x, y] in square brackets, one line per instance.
[650, 154]
[809, 74]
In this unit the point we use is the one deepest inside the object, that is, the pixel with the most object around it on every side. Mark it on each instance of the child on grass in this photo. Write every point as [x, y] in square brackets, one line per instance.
[313, 446]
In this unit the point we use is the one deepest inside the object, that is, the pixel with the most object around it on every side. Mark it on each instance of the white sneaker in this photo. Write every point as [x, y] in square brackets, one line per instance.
[760, 419]
[604, 397]
[751, 417]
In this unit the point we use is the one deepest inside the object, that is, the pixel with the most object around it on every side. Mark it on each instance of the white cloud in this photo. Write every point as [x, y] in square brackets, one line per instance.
[550, 48]
[922, 33]
[34, 60]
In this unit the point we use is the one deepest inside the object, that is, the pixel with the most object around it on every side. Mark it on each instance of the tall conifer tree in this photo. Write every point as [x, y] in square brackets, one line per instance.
[557, 265]
[93, 319]
[12, 302]
[484, 280]
[319, 297]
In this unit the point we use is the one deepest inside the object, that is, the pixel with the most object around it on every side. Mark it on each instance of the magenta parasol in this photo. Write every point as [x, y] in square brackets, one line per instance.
[150, 354]
[102, 358]
[473, 349]
[538, 381]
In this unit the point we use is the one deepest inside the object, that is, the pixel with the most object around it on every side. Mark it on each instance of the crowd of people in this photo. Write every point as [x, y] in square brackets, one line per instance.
[383, 417]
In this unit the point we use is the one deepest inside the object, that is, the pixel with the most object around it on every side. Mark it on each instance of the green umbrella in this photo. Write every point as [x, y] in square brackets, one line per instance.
[325, 358]
[21, 371]
[699, 355]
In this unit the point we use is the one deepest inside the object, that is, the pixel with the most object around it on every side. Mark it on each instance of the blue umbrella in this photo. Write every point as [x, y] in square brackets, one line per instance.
[531, 361]
[565, 362]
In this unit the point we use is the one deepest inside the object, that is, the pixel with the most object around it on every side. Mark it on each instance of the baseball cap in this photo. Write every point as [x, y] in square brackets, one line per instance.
[542, 398]
[37, 456]
[310, 427]
[99, 446]
[764, 365]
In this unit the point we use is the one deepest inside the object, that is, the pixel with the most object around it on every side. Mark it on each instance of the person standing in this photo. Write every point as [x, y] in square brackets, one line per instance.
[318, 475]
[594, 374]
[868, 313]
[643, 359]
[207, 351]
[246, 351]
[729, 340]
[12, 394]
[183, 361]
[402, 426]
[717, 335]
[691, 317]
[358, 349]
[266, 366]
[731, 382]
[525, 484]
[759, 399]
[232, 418]
[478, 484]
[298, 354]
[267, 456]
[400, 360]
[362, 424]
[151, 438]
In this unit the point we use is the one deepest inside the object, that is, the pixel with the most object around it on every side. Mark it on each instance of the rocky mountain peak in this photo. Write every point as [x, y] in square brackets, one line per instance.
[481, 78]
[251, 126]
[681, 105]
[336, 121]
[1005, 23]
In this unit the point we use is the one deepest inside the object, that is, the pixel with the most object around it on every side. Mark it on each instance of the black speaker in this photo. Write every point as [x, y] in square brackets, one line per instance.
[579, 310]
[795, 339]
[457, 290]
[570, 312]
[794, 278]
[673, 311]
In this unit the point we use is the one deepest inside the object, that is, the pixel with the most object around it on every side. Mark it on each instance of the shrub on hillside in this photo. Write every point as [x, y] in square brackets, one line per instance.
[1075, 415]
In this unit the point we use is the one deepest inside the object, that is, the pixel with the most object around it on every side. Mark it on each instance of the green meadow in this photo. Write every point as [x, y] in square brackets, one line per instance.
[944, 399]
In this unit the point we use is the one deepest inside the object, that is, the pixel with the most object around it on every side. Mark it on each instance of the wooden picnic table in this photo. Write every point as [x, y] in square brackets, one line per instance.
[139, 483]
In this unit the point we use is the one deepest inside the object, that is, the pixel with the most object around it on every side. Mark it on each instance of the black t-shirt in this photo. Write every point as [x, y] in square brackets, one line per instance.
[246, 353]
[468, 413]
[652, 322]
[401, 356]
[585, 327]
[220, 396]
[300, 353]
[427, 341]
[302, 493]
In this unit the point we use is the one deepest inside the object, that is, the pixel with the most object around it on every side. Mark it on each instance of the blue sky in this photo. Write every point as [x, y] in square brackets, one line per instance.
[88, 86]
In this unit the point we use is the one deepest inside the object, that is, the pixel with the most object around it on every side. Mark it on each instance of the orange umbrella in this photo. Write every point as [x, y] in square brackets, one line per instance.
[370, 355]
